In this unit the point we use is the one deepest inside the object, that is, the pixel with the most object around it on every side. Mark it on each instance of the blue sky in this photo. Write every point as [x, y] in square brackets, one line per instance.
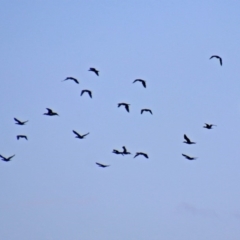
[52, 188]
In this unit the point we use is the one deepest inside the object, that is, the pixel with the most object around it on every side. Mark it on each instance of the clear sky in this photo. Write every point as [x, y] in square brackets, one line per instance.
[52, 189]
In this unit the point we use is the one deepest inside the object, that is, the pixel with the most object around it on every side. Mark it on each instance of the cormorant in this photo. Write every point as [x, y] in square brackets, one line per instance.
[87, 91]
[94, 70]
[188, 157]
[80, 136]
[125, 150]
[71, 78]
[21, 136]
[142, 81]
[18, 122]
[215, 56]
[141, 153]
[126, 105]
[102, 165]
[209, 126]
[188, 141]
[146, 110]
[50, 112]
[6, 159]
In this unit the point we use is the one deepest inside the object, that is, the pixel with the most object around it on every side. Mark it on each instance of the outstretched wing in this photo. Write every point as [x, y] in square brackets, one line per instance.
[102, 165]
[17, 120]
[127, 107]
[76, 133]
[186, 138]
[124, 149]
[85, 135]
[49, 110]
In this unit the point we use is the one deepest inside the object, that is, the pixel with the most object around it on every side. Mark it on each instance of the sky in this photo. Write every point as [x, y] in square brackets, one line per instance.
[52, 189]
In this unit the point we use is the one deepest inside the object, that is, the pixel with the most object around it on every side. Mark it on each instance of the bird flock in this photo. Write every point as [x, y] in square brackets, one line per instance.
[50, 112]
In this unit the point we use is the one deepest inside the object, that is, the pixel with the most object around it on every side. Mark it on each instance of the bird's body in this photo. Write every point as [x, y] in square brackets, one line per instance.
[215, 56]
[50, 112]
[141, 153]
[209, 126]
[6, 159]
[188, 141]
[22, 136]
[71, 78]
[146, 110]
[87, 91]
[102, 165]
[125, 151]
[126, 105]
[188, 157]
[142, 81]
[117, 152]
[80, 136]
[18, 122]
[94, 70]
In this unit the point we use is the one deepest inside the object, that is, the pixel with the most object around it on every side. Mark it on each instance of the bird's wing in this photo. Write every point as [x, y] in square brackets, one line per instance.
[2, 157]
[135, 80]
[142, 111]
[127, 107]
[76, 133]
[186, 138]
[136, 155]
[90, 94]
[186, 156]
[102, 165]
[82, 92]
[25, 137]
[145, 155]
[124, 149]
[144, 84]
[85, 134]
[49, 110]
[220, 59]
[12, 156]
[17, 120]
[150, 111]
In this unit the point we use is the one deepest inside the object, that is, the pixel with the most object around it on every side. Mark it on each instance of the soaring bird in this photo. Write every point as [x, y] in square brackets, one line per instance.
[71, 78]
[21, 136]
[125, 151]
[141, 153]
[102, 165]
[6, 159]
[50, 112]
[188, 141]
[146, 110]
[117, 152]
[94, 70]
[18, 122]
[188, 157]
[126, 105]
[87, 91]
[209, 126]
[142, 81]
[80, 136]
[215, 56]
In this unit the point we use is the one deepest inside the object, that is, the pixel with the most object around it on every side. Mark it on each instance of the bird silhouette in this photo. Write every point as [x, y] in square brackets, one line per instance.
[188, 141]
[188, 157]
[18, 122]
[71, 78]
[215, 56]
[209, 126]
[22, 136]
[141, 153]
[117, 152]
[102, 165]
[50, 112]
[94, 70]
[87, 91]
[142, 81]
[126, 105]
[146, 110]
[80, 136]
[6, 159]
[125, 151]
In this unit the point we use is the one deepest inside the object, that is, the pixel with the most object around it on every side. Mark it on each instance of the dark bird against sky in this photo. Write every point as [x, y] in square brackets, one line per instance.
[87, 91]
[188, 157]
[94, 70]
[209, 126]
[71, 78]
[18, 122]
[215, 56]
[6, 159]
[80, 136]
[50, 112]
[141, 153]
[125, 151]
[188, 141]
[21, 136]
[146, 110]
[142, 81]
[102, 165]
[117, 152]
[126, 105]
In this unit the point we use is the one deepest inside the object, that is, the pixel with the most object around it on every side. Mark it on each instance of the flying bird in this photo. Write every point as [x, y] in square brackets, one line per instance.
[87, 91]
[146, 110]
[188, 141]
[6, 159]
[18, 122]
[22, 136]
[209, 126]
[188, 157]
[102, 165]
[117, 152]
[142, 81]
[141, 153]
[50, 112]
[126, 105]
[215, 56]
[80, 136]
[94, 70]
[71, 78]
[125, 151]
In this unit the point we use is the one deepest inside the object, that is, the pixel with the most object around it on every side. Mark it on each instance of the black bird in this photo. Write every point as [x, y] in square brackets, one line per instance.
[126, 105]
[94, 70]
[88, 91]
[50, 112]
[188, 141]
[140, 153]
[18, 122]
[71, 78]
[215, 56]
[146, 110]
[209, 126]
[142, 81]
[80, 136]
[188, 157]
[21, 136]
[102, 165]
[125, 150]
[6, 159]
[117, 152]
